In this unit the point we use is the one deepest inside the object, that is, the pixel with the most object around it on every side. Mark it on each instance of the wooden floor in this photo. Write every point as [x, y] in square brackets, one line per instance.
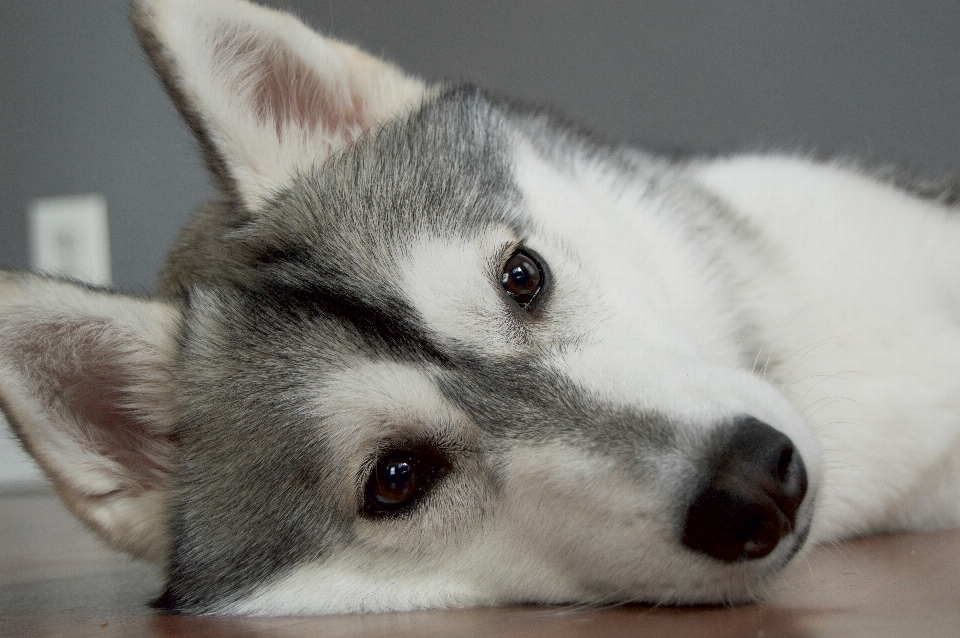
[55, 580]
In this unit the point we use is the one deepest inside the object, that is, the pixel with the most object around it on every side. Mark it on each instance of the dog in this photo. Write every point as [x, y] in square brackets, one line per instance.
[435, 349]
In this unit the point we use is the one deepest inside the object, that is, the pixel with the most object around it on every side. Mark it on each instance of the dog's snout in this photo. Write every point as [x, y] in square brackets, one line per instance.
[750, 502]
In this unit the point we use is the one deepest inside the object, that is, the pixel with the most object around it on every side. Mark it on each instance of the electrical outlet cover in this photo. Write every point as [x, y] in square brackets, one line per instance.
[70, 237]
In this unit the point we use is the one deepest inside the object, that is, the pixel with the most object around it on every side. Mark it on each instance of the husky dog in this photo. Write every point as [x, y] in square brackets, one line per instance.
[433, 349]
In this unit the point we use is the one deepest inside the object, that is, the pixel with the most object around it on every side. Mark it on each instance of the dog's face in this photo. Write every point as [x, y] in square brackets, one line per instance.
[435, 351]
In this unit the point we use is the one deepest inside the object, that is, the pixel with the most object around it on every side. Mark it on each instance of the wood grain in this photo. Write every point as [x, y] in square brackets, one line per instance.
[56, 580]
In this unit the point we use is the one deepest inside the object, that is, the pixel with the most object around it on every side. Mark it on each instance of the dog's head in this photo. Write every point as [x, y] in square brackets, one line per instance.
[432, 350]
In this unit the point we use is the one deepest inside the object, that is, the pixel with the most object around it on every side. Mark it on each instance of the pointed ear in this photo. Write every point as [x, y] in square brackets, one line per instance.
[86, 382]
[266, 96]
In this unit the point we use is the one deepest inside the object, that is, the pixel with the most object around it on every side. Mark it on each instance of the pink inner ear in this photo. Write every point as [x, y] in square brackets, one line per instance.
[285, 90]
[289, 91]
[84, 370]
[102, 399]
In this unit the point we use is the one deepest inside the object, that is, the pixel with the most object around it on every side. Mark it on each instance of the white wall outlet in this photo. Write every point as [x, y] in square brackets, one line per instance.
[70, 237]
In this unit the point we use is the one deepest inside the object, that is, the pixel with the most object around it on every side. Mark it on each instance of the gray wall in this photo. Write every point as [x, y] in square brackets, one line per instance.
[80, 110]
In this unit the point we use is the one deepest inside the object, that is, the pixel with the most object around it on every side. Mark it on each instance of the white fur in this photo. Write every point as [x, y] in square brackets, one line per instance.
[864, 334]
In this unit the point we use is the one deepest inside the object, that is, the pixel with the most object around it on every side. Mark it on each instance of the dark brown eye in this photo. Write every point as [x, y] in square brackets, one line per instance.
[522, 278]
[399, 479]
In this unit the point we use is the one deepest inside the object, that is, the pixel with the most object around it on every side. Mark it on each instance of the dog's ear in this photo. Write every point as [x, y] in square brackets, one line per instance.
[266, 96]
[86, 382]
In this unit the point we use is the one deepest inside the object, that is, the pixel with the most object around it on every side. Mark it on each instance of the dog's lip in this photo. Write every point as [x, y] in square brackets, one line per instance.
[798, 540]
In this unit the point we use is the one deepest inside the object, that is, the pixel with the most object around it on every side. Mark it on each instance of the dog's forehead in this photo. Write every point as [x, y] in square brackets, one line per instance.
[392, 233]
[442, 170]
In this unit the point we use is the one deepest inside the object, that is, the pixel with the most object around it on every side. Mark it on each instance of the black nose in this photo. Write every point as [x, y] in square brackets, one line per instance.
[755, 486]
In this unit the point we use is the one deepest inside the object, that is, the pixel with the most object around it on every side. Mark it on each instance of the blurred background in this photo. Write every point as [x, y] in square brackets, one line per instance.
[81, 112]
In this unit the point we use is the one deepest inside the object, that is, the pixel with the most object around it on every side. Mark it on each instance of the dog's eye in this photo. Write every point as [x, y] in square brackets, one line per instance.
[522, 278]
[398, 480]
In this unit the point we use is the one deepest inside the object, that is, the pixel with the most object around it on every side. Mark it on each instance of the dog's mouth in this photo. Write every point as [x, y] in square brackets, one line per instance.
[749, 581]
